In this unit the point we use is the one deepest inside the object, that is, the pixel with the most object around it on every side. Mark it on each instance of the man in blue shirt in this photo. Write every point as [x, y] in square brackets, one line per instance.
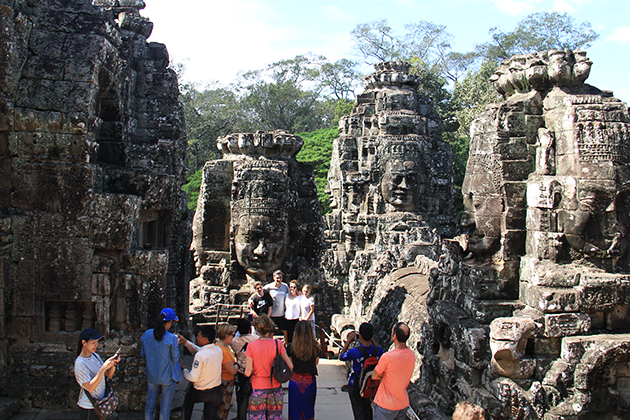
[361, 407]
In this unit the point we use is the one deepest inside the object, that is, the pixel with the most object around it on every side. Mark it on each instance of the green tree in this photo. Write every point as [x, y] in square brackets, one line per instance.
[209, 113]
[538, 32]
[317, 151]
[192, 187]
[297, 94]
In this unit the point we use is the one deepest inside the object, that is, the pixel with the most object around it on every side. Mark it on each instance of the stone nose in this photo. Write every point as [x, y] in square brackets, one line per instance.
[261, 249]
[403, 183]
[468, 220]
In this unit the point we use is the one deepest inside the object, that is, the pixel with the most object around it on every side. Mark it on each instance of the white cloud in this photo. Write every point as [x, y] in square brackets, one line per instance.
[218, 39]
[620, 34]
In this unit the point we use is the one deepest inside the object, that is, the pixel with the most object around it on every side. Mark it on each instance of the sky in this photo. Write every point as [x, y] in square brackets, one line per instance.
[217, 39]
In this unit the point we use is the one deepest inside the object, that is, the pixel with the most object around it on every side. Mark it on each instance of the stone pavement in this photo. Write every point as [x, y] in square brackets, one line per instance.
[331, 402]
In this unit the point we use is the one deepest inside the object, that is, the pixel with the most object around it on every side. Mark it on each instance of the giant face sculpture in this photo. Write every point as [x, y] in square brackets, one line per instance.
[482, 218]
[399, 184]
[483, 204]
[260, 244]
[403, 178]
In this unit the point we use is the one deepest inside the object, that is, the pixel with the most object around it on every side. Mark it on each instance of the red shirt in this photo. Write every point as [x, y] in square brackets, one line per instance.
[396, 368]
[263, 353]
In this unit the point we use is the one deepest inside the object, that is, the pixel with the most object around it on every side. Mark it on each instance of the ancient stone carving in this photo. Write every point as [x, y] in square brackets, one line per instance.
[257, 212]
[93, 220]
[546, 196]
[390, 184]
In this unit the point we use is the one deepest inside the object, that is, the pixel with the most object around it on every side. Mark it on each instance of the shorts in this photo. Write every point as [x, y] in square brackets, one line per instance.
[280, 322]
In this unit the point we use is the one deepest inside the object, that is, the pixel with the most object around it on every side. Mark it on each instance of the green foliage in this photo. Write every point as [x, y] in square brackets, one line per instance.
[192, 187]
[317, 151]
[538, 32]
[342, 107]
[209, 113]
[460, 146]
[472, 94]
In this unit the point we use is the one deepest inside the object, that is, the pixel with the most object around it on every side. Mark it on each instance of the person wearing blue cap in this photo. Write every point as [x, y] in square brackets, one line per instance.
[160, 349]
[89, 370]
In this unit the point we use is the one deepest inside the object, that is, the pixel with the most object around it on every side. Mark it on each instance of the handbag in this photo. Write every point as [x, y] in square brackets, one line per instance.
[280, 370]
[105, 406]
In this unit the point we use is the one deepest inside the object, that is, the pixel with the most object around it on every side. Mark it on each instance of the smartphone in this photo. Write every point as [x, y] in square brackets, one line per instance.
[117, 352]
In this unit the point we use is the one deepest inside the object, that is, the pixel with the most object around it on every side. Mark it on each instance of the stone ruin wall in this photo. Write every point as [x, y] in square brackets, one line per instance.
[257, 212]
[93, 221]
[529, 311]
[525, 314]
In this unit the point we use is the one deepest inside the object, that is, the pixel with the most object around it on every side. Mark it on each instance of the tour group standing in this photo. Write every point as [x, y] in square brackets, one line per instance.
[244, 358]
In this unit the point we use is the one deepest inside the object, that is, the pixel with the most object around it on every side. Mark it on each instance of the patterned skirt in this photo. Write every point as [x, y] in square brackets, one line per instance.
[266, 404]
[302, 393]
[227, 388]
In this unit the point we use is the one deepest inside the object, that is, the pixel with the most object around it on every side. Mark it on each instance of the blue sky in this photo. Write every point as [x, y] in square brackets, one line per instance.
[217, 39]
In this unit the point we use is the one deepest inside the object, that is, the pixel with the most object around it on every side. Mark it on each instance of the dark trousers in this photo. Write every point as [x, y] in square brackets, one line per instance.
[211, 398]
[361, 407]
[85, 414]
[290, 324]
[242, 397]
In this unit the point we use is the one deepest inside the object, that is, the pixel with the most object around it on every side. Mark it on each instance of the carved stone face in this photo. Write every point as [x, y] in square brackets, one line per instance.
[260, 244]
[399, 183]
[482, 217]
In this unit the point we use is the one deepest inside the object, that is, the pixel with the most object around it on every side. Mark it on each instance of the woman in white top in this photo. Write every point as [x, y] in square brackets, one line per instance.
[307, 307]
[89, 371]
[292, 309]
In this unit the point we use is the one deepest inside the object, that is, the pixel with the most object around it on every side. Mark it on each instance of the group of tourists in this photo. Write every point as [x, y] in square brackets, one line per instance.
[230, 357]
[284, 304]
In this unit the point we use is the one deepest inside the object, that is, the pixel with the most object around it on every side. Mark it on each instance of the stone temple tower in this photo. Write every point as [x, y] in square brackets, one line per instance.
[390, 184]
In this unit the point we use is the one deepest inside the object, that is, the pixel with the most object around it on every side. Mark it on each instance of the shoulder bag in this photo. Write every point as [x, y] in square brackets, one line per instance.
[280, 370]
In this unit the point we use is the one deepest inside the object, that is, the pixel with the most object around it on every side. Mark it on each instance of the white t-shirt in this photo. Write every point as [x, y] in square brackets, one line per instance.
[85, 369]
[292, 307]
[277, 294]
[206, 368]
[306, 303]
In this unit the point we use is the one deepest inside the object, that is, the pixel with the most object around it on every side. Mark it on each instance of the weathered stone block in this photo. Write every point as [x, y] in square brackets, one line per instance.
[618, 318]
[101, 284]
[562, 325]
[114, 220]
[41, 67]
[551, 300]
[102, 264]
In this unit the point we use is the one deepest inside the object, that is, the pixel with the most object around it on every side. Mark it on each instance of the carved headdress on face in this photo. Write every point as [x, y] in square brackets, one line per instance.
[260, 227]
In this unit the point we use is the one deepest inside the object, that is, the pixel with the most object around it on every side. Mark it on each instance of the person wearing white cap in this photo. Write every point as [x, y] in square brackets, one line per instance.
[89, 370]
[160, 349]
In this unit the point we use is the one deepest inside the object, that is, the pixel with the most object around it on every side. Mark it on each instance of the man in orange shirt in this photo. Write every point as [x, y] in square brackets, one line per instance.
[394, 369]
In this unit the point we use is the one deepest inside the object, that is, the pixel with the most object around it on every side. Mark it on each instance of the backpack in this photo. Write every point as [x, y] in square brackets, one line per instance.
[367, 385]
